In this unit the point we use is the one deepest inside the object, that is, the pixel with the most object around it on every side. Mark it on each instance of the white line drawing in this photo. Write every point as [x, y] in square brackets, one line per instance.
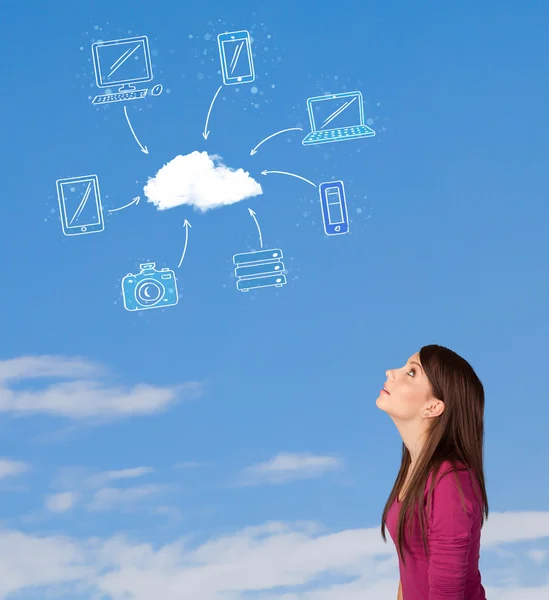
[334, 207]
[122, 63]
[252, 214]
[254, 150]
[134, 201]
[186, 224]
[206, 131]
[150, 288]
[235, 52]
[80, 205]
[291, 175]
[258, 269]
[157, 90]
[143, 148]
[349, 106]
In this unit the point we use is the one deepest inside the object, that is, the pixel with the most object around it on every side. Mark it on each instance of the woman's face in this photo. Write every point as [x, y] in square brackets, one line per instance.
[408, 391]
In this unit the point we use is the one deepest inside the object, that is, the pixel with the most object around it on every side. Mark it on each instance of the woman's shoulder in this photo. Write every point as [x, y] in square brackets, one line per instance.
[453, 479]
[448, 466]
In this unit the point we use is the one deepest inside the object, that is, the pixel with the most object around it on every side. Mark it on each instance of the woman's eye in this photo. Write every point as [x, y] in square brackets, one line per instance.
[411, 371]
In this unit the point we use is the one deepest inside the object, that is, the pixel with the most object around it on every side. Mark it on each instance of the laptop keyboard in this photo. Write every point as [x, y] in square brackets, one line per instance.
[331, 134]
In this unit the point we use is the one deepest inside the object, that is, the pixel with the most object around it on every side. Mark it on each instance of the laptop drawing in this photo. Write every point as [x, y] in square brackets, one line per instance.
[336, 117]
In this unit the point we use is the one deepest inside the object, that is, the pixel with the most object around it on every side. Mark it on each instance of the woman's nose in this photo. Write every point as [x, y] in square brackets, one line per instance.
[388, 374]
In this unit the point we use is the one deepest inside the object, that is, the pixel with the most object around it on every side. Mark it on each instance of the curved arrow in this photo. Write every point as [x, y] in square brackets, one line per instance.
[134, 201]
[143, 148]
[187, 225]
[252, 214]
[254, 150]
[206, 133]
[291, 174]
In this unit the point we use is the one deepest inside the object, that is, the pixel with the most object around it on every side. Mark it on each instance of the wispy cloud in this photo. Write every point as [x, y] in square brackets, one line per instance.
[126, 499]
[120, 474]
[62, 502]
[286, 467]
[27, 561]
[9, 468]
[506, 527]
[267, 562]
[192, 464]
[95, 490]
[82, 478]
[85, 395]
[538, 556]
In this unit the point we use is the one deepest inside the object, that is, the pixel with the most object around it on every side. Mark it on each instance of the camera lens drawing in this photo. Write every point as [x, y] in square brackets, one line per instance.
[150, 288]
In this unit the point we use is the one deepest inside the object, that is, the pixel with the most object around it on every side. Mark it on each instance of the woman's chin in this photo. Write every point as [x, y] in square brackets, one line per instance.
[381, 403]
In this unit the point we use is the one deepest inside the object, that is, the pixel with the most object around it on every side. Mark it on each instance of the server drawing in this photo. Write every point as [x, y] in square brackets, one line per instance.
[258, 269]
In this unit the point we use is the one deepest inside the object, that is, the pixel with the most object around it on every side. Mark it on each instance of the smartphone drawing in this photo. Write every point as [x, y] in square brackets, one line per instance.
[80, 205]
[235, 52]
[334, 208]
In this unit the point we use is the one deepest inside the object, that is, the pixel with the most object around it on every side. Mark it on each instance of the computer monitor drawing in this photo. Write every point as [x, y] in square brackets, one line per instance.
[121, 64]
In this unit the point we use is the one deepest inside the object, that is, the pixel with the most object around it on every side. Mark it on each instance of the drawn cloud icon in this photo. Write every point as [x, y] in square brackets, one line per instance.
[201, 181]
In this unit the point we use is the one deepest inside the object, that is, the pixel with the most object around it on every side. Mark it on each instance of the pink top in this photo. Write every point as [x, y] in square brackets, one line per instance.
[453, 539]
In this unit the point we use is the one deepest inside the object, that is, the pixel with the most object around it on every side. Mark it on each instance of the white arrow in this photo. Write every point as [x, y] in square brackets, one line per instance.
[291, 175]
[252, 214]
[143, 148]
[187, 225]
[206, 132]
[254, 150]
[134, 201]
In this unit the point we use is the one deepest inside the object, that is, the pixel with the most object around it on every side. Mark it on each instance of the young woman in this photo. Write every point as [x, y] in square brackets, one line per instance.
[438, 503]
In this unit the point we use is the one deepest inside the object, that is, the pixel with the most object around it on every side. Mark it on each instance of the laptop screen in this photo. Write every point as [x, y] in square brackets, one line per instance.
[333, 113]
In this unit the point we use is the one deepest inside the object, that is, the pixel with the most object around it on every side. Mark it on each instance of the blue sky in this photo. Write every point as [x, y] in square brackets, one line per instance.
[230, 444]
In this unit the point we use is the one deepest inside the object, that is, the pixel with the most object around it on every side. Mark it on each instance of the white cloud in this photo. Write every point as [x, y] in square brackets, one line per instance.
[94, 491]
[172, 512]
[537, 556]
[506, 527]
[82, 478]
[34, 367]
[132, 473]
[9, 468]
[274, 561]
[286, 467]
[128, 473]
[110, 498]
[201, 181]
[519, 593]
[83, 396]
[27, 561]
[62, 502]
[191, 464]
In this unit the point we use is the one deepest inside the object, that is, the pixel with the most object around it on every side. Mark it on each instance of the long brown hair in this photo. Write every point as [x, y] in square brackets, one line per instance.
[457, 435]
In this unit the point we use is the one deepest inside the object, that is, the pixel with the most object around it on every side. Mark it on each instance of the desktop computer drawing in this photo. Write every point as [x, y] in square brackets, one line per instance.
[260, 268]
[336, 118]
[121, 64]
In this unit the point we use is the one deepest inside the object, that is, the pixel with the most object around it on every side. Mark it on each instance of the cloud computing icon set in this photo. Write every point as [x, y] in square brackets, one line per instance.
[122, 64]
